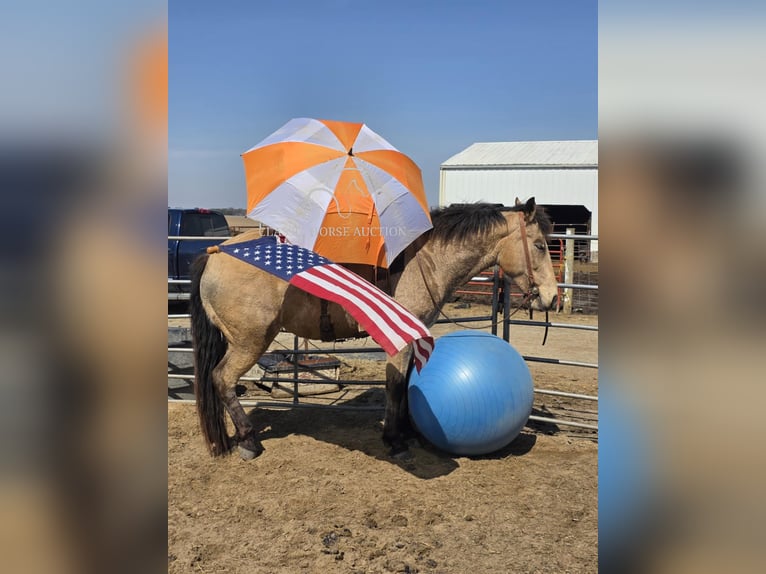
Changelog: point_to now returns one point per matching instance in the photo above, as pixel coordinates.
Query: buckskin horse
(238, 309)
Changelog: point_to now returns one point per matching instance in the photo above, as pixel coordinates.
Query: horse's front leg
(396, 425)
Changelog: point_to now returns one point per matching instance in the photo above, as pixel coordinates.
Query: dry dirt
(324, 497)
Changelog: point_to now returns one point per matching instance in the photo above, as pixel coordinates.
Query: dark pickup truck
(199, 223)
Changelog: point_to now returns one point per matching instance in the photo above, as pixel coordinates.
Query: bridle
(532, 289)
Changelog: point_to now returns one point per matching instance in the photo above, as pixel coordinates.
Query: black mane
(462, 221)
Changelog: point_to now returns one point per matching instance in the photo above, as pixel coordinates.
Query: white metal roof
(573, 153)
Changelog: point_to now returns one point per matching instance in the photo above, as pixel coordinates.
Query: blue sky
(430, 77)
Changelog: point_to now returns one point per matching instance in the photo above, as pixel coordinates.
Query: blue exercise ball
(473, 396)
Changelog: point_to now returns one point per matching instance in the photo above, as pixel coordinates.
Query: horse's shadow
(361, 430)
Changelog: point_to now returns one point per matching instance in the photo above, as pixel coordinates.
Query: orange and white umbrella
(337, 188)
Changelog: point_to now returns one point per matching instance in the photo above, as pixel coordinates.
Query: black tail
(209, 348)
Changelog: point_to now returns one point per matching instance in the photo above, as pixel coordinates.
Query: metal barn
(561, 175)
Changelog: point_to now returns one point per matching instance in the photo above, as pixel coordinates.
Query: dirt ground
(324, 497)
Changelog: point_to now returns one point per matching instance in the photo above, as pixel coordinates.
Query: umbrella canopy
(337, 188)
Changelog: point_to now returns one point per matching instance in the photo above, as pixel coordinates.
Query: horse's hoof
(248, 454)
(402, 454)
(414, 441)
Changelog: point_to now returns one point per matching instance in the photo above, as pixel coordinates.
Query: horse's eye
(540, 246)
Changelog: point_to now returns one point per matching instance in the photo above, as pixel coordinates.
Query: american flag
(387, 321)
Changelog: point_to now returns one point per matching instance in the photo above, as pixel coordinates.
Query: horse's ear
(530, 208)
(518, 201)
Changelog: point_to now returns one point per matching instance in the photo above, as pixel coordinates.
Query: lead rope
(436, 305)
(531, 293)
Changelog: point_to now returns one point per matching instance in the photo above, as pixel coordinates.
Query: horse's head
(528, 262)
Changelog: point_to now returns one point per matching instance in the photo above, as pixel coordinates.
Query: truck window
(204, 225)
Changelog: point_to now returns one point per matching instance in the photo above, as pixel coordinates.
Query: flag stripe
(390, 329)
(375, 332)
(425, 346)
(371, 321)
(403, 322)
(375, 297)
(367, 323)
(428, 344)
(419, 358)
(413, 325)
